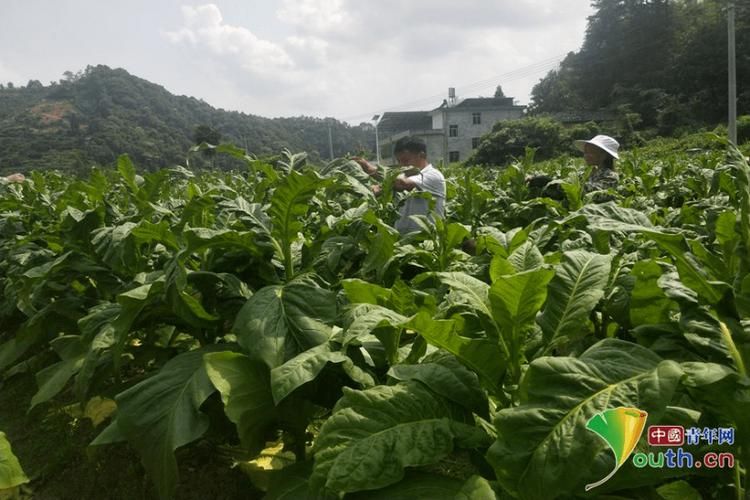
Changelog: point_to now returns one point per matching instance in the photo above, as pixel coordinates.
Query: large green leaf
(517, 298)
(98, 332)
(201, 238)
(611, 217)
(693, 273)
(678, 490)
(162, 413)
(289, 203)
(424, 486)
(526, 257)
(499, 243)
(245, 389)
(41, 326)
(447, 377)
(575, 290)
(466, 290)
(385, 324)
(725, 394)
(119, 249)
(281, 321)
(11, 473)
(183, 300)
(148, 232)
(306, 366)
(289, 483)
(52, 379)
(476, 487)
(543, 443)
(482, 356)
(648, 304)
(381, 248)
(374, 435)
(132, 303)
(400, 297)
(360, 291)
(127, 172)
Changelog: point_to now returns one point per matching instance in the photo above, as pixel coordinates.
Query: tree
(204, 133)
(510, 138)
(665, 60)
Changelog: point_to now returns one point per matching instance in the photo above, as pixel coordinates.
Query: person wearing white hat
(12, 178)
(601, 153)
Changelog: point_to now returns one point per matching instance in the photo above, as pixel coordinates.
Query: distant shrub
(743, 129)
(509, 140)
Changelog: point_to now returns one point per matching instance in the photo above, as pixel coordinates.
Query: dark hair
(609, 161)
(410, 144)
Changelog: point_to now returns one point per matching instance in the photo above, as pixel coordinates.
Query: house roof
(480, 103)
(483, 102)
(397, 121)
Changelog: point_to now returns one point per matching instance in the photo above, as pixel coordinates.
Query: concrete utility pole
(732, 124)
(376, 119)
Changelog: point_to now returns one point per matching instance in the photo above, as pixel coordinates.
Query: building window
(453, 156)
(475, 142)
(476, 118)
(453, 131)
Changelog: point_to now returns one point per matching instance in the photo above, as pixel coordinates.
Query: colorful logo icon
(620, 428)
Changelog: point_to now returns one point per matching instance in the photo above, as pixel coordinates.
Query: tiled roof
(398, 121)
(483, 102)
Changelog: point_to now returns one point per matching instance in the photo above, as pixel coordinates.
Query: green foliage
(373, 435)
(477, 348)
(661, 64)
(743, 129)
(542, 442)
(11, 474)
(509, 140)
(93, 117)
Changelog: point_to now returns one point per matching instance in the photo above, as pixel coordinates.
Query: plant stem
(738, 481)
(733, 351)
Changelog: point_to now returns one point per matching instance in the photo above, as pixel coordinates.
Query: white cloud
(204, 27)
(350, 58)
(308, 50)
(317, 16)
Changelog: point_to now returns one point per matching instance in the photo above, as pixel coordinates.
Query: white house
(452, 130)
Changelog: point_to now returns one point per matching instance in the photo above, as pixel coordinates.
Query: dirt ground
(52, 448)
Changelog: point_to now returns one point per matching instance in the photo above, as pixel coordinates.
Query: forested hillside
(95, 115)
(660, 64)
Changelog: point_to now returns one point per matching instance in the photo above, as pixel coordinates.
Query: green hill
(94, 116)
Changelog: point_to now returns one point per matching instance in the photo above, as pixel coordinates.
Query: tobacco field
(272, 315)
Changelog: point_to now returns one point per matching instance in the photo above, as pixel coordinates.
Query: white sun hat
(603, 142)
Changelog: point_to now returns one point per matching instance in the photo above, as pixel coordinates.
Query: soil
(52, 448)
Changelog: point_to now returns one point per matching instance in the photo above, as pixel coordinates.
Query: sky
(348, 59)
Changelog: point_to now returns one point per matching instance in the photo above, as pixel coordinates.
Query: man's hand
(376, 189)
(368, 167)
(402, 183)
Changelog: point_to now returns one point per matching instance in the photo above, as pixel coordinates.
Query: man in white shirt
(412, 152)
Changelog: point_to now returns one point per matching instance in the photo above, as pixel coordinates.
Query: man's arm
(368, 167)
(371, 170)
(403, 183)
